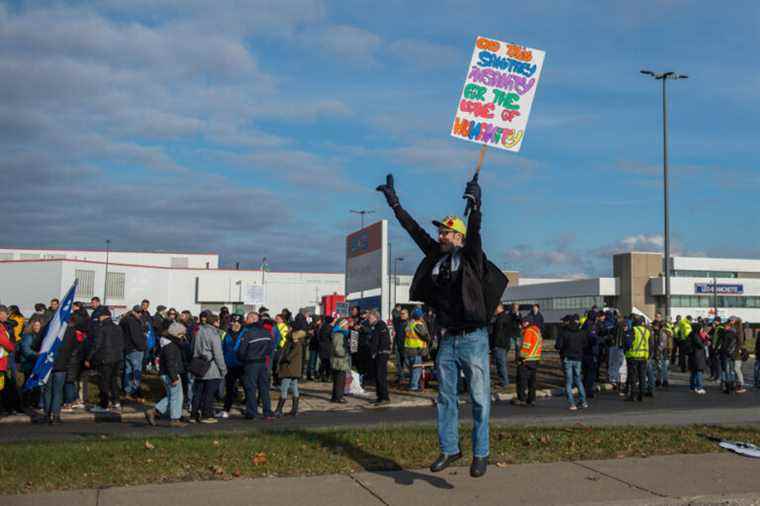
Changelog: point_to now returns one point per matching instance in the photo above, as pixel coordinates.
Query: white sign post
(498, 94)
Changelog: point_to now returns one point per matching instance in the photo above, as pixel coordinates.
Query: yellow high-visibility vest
(640, 348)
(412, 338)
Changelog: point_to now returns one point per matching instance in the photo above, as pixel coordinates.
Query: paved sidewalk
(722, 478)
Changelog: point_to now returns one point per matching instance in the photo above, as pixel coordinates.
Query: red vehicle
(330, 303)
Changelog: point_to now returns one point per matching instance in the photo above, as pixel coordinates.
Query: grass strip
(32, 467)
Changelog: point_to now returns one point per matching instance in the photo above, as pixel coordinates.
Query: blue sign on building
(721, 289)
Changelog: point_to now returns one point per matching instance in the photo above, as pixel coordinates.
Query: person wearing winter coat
(291, 365)
(106, 354)
(171, 368)
(325, 348)
(380, 352)
(501, 337)
(65, 357)
(7, 348)
(339, 360)
(699, 344)
(313, 345)
(208, 347)
(230, 345)
(135, 345)
(728, 352)
(254, 353)
(29, 350)
(571, 343)
(457, 280)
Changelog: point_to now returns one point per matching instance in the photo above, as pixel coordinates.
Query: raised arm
(473, 245)
(426, 243)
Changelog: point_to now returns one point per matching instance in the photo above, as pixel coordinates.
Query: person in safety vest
(463, 287)
(637, 355)
(528, 357)
(416, 338)
(684, 331)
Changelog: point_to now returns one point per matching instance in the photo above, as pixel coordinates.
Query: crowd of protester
(638, 353)
(205, 359)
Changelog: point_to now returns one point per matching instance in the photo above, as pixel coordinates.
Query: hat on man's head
(452, 222)
(137, 309)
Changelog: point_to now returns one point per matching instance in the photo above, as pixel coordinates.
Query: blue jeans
(467, 353)
(500, 359)
(730, 369)
(171, 404)
(651, 374)
(287, 384)
(663, 369)
(398, 358)
(53, 393)
(311, 369)
(573, 378)
(696, 382)
(256, 384)
(188, 384)
(132, 372)
(414, 372)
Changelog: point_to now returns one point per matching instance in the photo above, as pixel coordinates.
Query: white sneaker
(222, 414)
(117, 406)
(701, 391)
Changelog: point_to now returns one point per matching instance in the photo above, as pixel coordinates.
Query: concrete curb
(405, 403)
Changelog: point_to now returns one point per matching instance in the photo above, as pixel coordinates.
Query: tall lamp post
(361, 212)
(664, 76)
(105, 281)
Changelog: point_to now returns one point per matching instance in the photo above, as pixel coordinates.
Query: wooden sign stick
(480, 160)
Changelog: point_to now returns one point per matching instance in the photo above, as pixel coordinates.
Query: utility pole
(105, 281)
(664, 76)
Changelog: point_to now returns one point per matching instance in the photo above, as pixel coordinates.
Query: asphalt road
(677, 406)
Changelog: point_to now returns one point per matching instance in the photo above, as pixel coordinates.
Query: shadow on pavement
(372, 463)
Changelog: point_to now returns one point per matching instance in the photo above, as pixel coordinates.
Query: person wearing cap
(457, 281)
(135, 345)
(571, 344)
(106, 354)
(254, 353)
(528, 354)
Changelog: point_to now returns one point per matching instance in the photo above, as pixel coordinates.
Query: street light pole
(105, 281)
(395, 278)
(664, 76)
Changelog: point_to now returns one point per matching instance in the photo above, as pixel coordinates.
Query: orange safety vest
(532, 343)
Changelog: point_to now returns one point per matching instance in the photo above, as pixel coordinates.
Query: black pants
(588, 370)
(526, 381)
(231, 380)
(203, 398)
(325, 371)
(339, 383)
(637, 372)
(381, 376)
(107, 383)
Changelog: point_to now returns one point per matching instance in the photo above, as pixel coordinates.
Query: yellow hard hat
(454, 223)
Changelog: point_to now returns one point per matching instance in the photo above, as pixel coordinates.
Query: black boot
(278, 411)
(294, 411)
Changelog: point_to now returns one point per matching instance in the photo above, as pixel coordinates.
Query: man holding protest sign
(463, 287)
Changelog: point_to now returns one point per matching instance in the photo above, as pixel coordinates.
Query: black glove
(389, 191)
(472, 195)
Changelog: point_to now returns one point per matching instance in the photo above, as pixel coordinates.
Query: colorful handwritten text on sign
(498, 93)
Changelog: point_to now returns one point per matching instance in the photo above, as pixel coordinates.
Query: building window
(115, 285)
(180, 262)
(86, 286)
(6, 256)
(708, 301)
(30, 256)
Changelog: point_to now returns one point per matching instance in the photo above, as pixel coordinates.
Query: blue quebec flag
(53, 337)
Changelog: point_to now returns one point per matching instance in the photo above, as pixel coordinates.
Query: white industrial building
(179, 280)
(699, 286)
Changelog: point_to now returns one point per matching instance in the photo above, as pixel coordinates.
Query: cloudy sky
(250, 128)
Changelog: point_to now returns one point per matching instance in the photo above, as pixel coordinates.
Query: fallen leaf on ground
(149, 445)
(259, 459)
(216, 469)
(501, 464)
(236, 473)
(216, 443)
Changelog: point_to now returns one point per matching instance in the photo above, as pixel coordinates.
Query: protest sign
(498, 93)
(253, 295)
